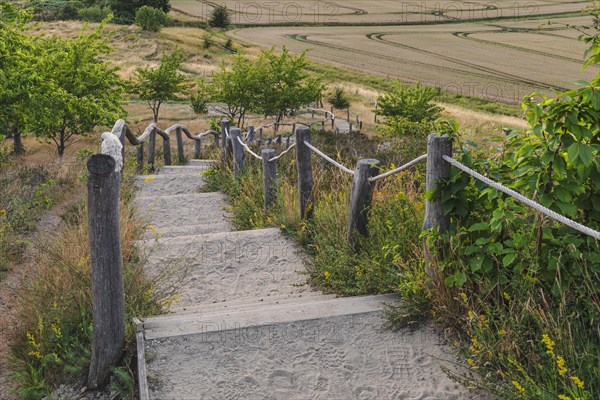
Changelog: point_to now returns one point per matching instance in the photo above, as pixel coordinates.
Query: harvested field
(364, 12)
(478, 59)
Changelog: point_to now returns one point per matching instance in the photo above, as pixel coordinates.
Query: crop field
(500, 59)
(363, 12)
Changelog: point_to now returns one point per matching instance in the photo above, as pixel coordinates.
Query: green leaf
(573, 152)
(480, 226)
(585, 154)
(508, 259)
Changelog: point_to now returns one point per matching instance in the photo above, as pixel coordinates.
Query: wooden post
(287, 142)
(437, 170)
(179, 137)
(361, 197)
(238, 151)
(167, 151)
(323, 126)
(348, 114)
(269, 176)
(108, 296)
(360, 126)
(278, 139)
(140, 157)
(198, 149)
(224, 128)
(293, 127)
(350, 127)
(151, 149)
(305, 176)
(250, 137)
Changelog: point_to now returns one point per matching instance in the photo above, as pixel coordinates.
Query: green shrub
(207, 40)
(94, 13)
(150, 19)
(199, 103)
(338, 99)
(219, 17)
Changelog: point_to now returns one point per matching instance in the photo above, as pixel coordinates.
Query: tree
(338, 99)
(150, 19)
(82, 91)
(236, 88)
(125, 10)
(19, 76)
(219, 17)
(164, 83)
(286, 83)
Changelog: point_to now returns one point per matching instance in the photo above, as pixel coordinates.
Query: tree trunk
(61, 143)
(18, 148)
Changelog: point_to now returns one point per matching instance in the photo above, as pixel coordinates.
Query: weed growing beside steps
(53, 343)
(387, 258)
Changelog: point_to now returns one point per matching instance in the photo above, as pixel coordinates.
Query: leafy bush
(219, 17)
(94, 13)
(199, 103)
(207, 40)
(409, 110)
(339, 99)
(528, 286)
(150, 19)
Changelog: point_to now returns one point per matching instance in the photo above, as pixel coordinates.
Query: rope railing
(399, 169)
(247, 148)
(527, 201)
(327, 158)
(283, 153)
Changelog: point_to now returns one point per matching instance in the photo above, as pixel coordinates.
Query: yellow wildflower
(327, 276)
(549, 344)
(471, 362)
(149, 179)
(506, 296)
(35, 354)
(502, 332)
(560, 363)
(3, 212)
(563, 397)
(463, 297)
(578, 382)
(518, 386)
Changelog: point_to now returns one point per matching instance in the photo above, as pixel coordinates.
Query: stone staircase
(246, 326)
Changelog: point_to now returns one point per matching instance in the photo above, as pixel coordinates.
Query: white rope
(227, 133)
(399, 169)
(536, 206)
(286, 150)
(326, 157)
(248, 148)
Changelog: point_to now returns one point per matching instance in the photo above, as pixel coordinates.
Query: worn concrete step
(286, 354)
(196, 169)
(155, 185)
(221, 266)
(258, 314)
(247, 303)
(203, 163)
(156, 232)
(182, 210)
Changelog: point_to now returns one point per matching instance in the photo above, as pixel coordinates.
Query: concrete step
(218, 225)
(332, 349)
(183, 210)
(259, 314)
(221, 266)
(247, 303)
(171, 184)
(196, 169)
(202, 163)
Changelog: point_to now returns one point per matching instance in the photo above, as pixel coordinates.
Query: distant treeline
(91, 10)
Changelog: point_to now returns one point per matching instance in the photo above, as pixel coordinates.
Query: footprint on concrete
(366, 393)
(282, 379)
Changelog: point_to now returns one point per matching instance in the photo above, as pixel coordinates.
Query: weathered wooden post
(197, 148)
(323, 126)
(305, 176)
(167, 150)
(151, 149)
(108, 296)
(224, 131)
(293, 127)
(179, 137)
(348, 114)
(140, 157)
(269, 176)
(238, 151)
(361, 197)
(350, 127)
(250, 137)
(437, 170)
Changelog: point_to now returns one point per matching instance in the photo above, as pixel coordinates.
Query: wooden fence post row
(305, 176)
(437, 170)
(108, 295)
(361, 197)
(269, 176)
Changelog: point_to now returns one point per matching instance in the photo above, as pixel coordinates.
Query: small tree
(219, 17)
(164, 83)
(150, 19)
(338, 99)
(286, 84)
(82, 91)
